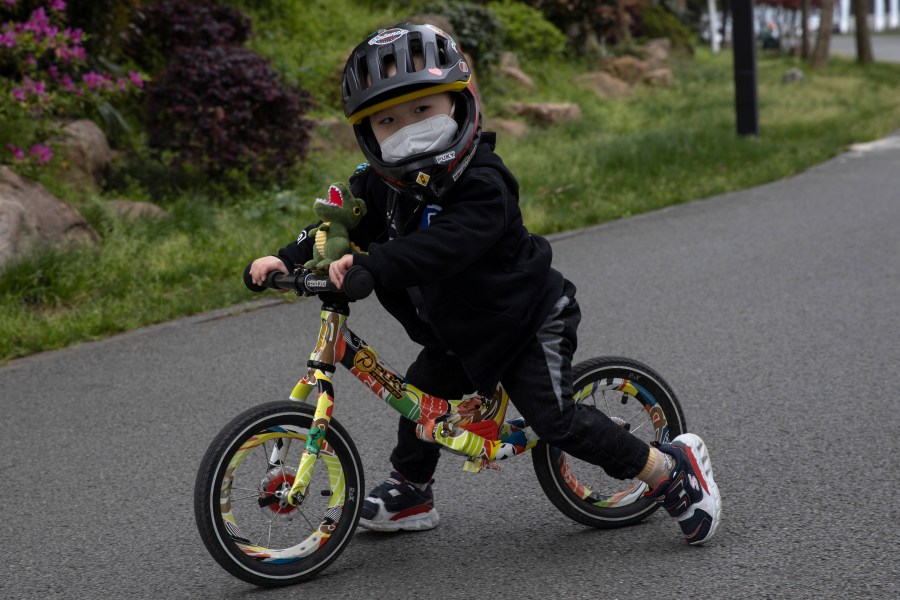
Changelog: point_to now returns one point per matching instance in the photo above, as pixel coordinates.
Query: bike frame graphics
(473, 426)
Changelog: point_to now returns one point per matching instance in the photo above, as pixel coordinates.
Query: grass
(654, 149)
(670, 146)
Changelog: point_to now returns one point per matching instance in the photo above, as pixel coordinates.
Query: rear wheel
(638, 399)
(240, 496)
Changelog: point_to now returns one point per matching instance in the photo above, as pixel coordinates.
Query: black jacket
(466, 275)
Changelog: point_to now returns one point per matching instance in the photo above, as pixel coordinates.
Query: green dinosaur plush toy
(340, 213)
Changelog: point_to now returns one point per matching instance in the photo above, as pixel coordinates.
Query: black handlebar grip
(358, 283)
(270, 280)
(249, 282)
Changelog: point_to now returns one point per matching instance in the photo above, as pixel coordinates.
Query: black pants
(539, 383)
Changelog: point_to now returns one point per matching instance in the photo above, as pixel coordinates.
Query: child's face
(388, 121)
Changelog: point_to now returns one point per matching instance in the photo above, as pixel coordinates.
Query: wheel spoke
(250, 497)
(265, 453)
(644, 422)
(609, 411)
(308, 522)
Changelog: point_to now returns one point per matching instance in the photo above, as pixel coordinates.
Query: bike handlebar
(358, 283)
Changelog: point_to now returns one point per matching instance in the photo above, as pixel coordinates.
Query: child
(453, 262)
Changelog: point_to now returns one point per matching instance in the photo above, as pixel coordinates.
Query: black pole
(744, 48)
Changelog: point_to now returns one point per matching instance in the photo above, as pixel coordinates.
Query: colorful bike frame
(473, 426)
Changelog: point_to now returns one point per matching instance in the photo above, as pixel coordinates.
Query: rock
(137, 210)
(31, 217)
(629, 69)
(87, 153)
(604, 84)
(547, 113)
(509, 127)
(657, 52)
(518, 76)
(793, 75)
(659, 78)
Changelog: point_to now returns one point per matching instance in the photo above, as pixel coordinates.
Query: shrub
(655, 21)
(477, 29)
(526, 32)
(162, 28)
(223, 108)
(46, 79)
(582, 20)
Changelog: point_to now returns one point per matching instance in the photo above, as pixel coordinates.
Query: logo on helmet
(463, 66)
(423, 179)
(387, 36)
(445, 157)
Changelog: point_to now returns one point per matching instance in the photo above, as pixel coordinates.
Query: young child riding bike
(444, 240)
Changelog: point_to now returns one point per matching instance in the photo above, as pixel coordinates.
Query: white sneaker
(689, 493)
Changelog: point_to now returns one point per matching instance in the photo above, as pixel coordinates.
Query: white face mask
(431, 134)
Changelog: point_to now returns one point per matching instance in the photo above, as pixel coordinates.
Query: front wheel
(240, 501)
(638, 399)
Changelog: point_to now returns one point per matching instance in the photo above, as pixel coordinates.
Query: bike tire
(235, 490)
(634, 395)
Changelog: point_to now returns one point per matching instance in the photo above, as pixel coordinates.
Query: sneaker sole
(420, 522)
(703, 462)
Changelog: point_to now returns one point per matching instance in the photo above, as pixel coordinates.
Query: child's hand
(338, 269)
(261, 267)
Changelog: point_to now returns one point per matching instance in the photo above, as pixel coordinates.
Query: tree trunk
(804, 36)
(819, 58)
(726, 13)
(863, 39)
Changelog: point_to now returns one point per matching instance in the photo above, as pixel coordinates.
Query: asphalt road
(773, 312)
(885, 47)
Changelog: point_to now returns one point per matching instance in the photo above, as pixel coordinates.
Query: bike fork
(315, 438)
(322, 362)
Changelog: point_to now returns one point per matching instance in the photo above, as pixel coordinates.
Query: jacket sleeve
(299, 251)
(466, 226)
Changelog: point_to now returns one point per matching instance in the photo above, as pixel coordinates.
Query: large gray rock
(87, 153)
(31, 217)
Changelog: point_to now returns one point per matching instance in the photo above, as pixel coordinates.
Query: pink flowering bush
(46, 79)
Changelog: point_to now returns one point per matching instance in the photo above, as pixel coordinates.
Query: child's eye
(423, 108)
(386, 121)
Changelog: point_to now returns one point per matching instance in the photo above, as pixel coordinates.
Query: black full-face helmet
(382, 72)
